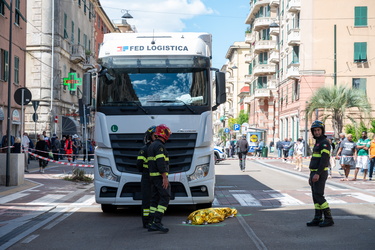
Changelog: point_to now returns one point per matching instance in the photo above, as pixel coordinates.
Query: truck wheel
(108, 208)
(216, 159)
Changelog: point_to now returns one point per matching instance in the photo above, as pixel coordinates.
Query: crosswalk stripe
(364, 197)
(247, 200)
(286, 199)
(12, 197)
(46, 200)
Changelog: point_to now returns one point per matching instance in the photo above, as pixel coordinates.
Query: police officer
(142, 166)
(318, 175)
(158, 163)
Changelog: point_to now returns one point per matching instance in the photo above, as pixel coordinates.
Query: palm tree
(336, 101)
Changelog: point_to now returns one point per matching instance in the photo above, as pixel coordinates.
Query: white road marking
(12, 197)
(47, 200)
(364, 197)
(286, 199)
(247, 200)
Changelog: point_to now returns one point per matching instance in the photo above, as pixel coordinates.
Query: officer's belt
(157, 174)
(315, 169)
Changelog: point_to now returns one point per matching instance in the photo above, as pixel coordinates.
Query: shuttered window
(360, 52)
(360, 16)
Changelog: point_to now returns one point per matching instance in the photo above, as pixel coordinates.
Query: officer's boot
(328, 221)
(317, 218)
(145, 221)
(151, 217)
(156, 225)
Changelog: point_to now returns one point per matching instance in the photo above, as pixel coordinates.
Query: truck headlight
(200, 172)
(106, 173)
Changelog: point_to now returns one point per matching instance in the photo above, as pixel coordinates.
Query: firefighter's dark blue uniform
(142, 166)
(158, 163)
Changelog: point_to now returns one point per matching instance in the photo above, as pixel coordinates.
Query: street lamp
(126, 15)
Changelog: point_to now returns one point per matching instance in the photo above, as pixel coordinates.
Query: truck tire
(108, 208)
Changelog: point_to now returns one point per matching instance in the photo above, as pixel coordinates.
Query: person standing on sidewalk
(242, 149)
(42, 150)
(347, 154)
(372, 157)
(363, 145)
(318, 176)
(158, 164)
(142, 165)
(298, 152)
(25, 149)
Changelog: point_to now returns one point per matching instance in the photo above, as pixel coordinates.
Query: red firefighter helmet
(163, 131)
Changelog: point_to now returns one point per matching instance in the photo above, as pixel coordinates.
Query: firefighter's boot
(151, 217)
(157, 225)
(328, 221)
(317, 219)
(145, 221)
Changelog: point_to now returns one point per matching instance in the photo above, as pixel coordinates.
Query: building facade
(63, 38)
(299, 46)
(12, 63)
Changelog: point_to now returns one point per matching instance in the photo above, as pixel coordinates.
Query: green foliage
(357, 129)
(78, 175)
(243, 117)
(372, 129)
(336, 101)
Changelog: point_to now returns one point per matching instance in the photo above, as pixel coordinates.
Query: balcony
(229, 95)
(294, 6)
(274, 31)
(254, 8)
(272, 83)
(264, 69)
(274, 3)
(262, 93)
(294, 37)
(89, 62)
(249, 79)
(274, 56)
(250, 38)
(292, 71)
(249, 58)
(264, 45)
(262, 23)
(77, 53)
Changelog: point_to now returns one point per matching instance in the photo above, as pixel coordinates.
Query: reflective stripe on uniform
(325, 151)
(316, 155)
(145, 165)
(324, 205)
(146, 212)
(152, 210)
(317, 206)
(156, 174)
(141, 157)
(161, 209)
(157, 157)
(315, 169)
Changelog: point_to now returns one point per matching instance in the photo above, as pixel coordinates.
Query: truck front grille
(180, 147)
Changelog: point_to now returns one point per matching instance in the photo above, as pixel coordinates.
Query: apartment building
(299, 46)
(12, 63)
(63, 38)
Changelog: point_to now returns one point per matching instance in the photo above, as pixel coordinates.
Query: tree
(336, 101)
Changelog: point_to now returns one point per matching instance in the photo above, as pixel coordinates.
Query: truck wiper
(138, 105)
(174, 101)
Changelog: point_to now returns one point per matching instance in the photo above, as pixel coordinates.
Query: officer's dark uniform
(142, 166)
(158, 163)
(319, 165)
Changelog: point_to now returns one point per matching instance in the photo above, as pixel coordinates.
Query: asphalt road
(273, 203)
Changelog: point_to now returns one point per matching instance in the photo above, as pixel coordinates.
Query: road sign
(236, 127)
(56, 119)
(35, 105)
(226, 130)
(35, 117)
(26, 96)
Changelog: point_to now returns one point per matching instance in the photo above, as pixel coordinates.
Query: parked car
(219, 154)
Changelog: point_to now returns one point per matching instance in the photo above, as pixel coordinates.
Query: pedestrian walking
(25, 148)
(318, 176)
(242, 149)
(279, 147)
(77, 146)
(42, 150)
(299, 148)
(291, 150)
(227, 148)
(158, 163)
(286, 146)
(55, 145)
(17, 146)
(142, 165)
(363, 145)
(347, 154)
(69, 148)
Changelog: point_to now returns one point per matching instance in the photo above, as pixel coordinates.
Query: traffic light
(87, 89)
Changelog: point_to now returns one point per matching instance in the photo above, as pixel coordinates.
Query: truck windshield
(153, 86)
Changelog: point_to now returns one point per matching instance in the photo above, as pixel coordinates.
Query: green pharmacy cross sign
(72, 81)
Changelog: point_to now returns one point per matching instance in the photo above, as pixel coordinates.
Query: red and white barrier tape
(61, 162)
(47, 152)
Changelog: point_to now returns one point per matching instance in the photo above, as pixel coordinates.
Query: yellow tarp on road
(211, 215)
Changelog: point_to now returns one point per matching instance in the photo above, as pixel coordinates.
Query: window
(359, 83)
(295, 54)
(360, 16)
(262, 82)
(65, 24)
(16, 70)
(296, 90)
(264, 34)
(85, 41)
(250, 68)
(3, 4)
(79, 36)
(17, 12)
(84, 6)
(263, 58)
(360, 52)
(72, 35)
(4, 67)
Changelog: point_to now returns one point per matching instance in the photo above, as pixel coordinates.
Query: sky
(224, 19)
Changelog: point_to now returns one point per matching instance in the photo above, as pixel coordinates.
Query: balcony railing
(254, 8)
(250, 37)
(292, 71)
(294, 37)
(262, 93)
(274, 56)
(262, 22)
(249, 57)
(264, 69)
(263, 45)
(294, 5)
(249, 79)
(77, 53)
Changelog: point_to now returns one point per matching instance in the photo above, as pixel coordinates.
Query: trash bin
(265, 152)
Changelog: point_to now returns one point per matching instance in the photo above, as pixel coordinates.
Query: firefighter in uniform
(318, 175)
(158, 163)
(142, 166)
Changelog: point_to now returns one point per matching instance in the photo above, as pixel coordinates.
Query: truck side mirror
(221, 96)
